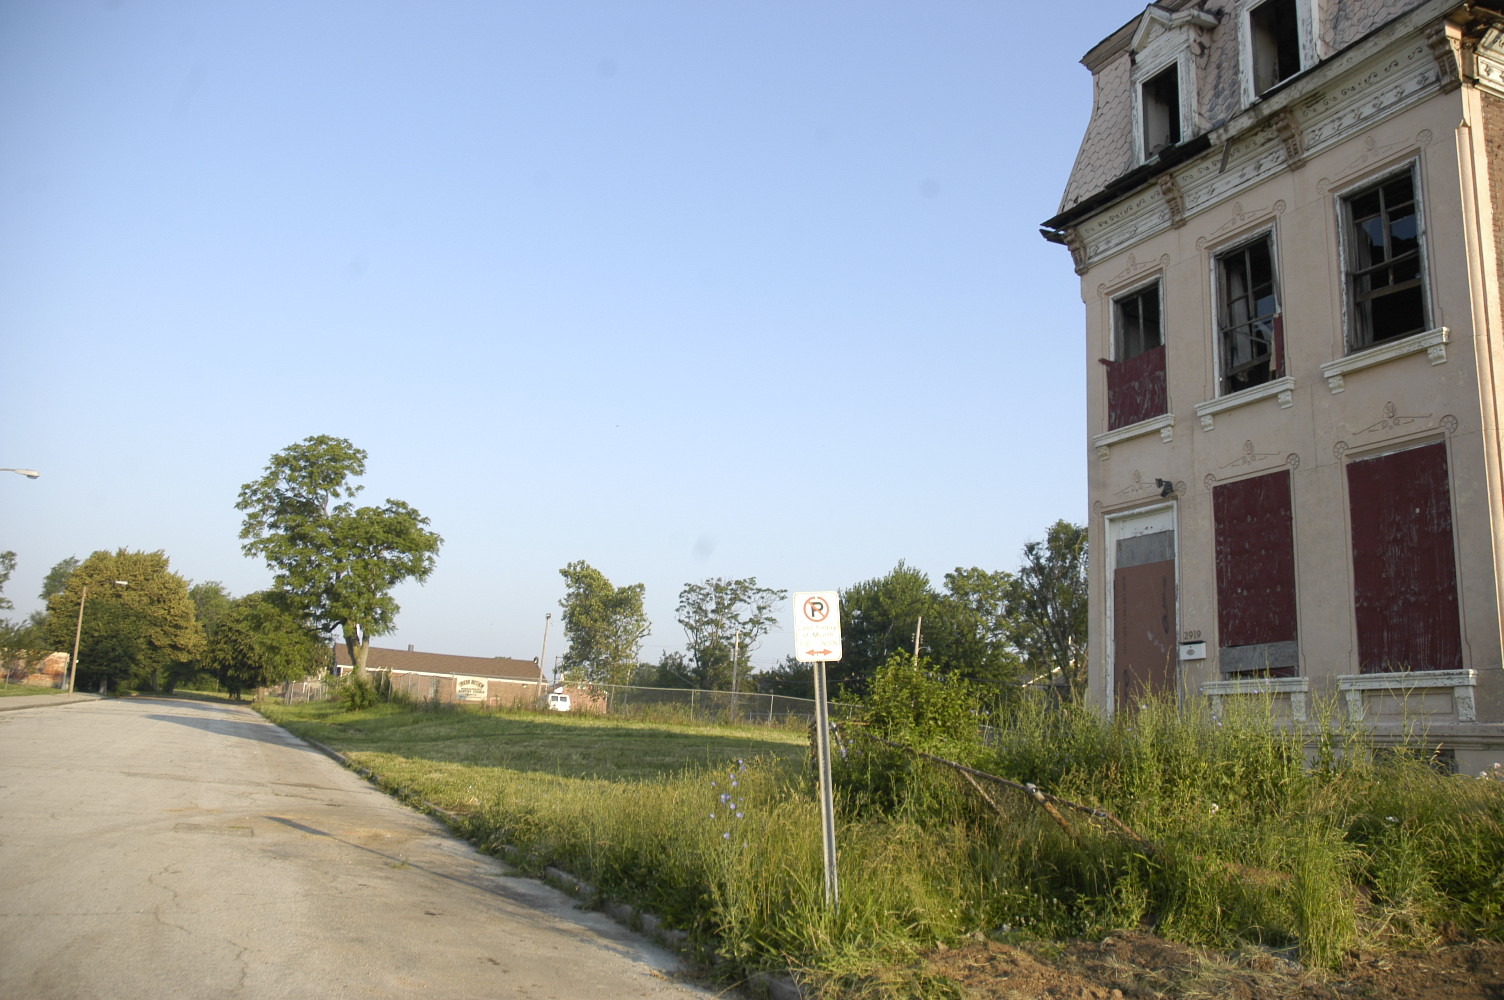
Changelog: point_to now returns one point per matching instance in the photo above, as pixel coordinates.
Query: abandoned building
(1288, 220)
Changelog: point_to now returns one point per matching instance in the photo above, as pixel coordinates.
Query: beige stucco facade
(1385, 91)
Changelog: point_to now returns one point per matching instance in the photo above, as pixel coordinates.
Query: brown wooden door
(1143, 621)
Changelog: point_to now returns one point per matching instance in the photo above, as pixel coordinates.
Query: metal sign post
(817, 638)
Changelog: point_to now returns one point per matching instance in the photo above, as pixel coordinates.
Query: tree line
(139, 625)
(1004, 630)
(335, 564)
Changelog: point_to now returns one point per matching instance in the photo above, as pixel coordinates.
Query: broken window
(1159, 100)
(1136, 374)
(1248, 322)
(1255, 549)
(1385, 270)
(1274, 30)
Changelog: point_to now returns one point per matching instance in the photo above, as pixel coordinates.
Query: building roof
(442, 663)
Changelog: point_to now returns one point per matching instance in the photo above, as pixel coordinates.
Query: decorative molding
(1208, 481)
(1391, 420)
(1282, 388)
(1449, 424)
(1486, 61)
(1164, 423)
(1433, 342)
(1462, 683)
(1288, 130)
(1296, 689)
(1136, 487)
(1339, 449)
(1132, 270)
(1293, 461)
(1169, 189)
(1074, 244)
(1446, 51)
(1250, 456)
(1319, 111)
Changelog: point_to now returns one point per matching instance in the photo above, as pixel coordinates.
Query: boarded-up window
(1404, 565)
(1136, 373)
(1256, 576)
(1136, 389)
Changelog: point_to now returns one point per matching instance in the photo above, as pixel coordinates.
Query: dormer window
(1274, 31)
(1279, 40)
(1165, 50)
(1159, 101)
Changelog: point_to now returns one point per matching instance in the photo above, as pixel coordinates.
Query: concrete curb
(46, 700)
(775, 986)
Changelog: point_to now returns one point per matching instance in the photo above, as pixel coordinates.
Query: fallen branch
(1049, 802)
(1046, 801)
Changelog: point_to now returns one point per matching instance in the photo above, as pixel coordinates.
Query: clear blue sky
(682, 289)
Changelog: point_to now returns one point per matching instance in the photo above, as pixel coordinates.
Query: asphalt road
(161, 848)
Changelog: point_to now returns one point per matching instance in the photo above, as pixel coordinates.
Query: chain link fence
(679, 704)
(711, 706)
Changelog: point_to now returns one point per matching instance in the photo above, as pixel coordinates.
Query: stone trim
(1462, 683)
(1433, 342)
(1296, 688)
(1164, 423)
(1283, 388)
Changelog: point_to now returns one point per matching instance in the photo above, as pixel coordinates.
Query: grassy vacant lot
(1311, 846)
(23, 690)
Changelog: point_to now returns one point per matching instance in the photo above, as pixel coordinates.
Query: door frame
(1128, 524)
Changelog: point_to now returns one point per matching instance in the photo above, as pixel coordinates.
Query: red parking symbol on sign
(816, 610)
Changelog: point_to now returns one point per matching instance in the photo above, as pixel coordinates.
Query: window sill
(1283, 388)
(1433, 342)
(1294, 688)
(1461, 682)
(1164, 423)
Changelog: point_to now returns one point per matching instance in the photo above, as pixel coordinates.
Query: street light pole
(79, 628)
(77, 631)
(543, 655)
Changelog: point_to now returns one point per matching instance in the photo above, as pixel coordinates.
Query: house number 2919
(1194, 635)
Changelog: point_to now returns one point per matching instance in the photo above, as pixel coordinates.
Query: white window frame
(1342, 200)
(1115, 341)
(1216, 254)
(1155, 61)
(1307, 19)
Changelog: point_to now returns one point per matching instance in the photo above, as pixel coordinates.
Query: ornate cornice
(1358, 93)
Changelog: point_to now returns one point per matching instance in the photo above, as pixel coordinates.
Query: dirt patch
(1139, 966)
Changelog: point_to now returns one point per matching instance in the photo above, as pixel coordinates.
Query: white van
(558, 701)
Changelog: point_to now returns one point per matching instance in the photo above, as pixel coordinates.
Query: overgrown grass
(22, 690)
(1244, 840)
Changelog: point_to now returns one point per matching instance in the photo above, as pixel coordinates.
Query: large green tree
(969, 631)
(604, 625)
(57, 577)
(1047, 607)
(258, 641)
(879, 617)
(724, 620)
(7, 567)
(336, 562)
(138, 622)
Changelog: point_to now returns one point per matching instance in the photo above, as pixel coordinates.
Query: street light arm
(28, 473)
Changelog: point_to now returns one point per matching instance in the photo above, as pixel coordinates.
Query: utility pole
(543, 655)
